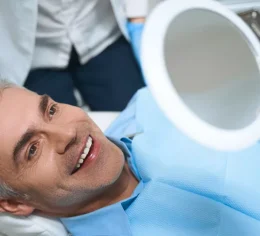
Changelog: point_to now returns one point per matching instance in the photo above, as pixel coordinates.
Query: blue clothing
(186, 189)
(135, 31)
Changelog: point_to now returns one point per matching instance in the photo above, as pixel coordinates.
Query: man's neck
(120, 190)
(124, 186)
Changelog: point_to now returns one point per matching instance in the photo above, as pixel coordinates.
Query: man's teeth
(85, 152)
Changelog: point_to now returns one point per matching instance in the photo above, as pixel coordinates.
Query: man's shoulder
(126, 124)
(141, 114)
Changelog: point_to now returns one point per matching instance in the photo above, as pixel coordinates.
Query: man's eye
(52, 110)
(32, 151)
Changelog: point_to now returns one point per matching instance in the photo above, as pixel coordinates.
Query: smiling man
(56, 158)
(147, 178)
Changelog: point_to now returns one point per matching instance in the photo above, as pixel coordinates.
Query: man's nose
(61, 136)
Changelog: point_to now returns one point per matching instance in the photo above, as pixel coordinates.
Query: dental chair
(44, 226)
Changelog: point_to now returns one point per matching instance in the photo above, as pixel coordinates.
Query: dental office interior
(188, 53)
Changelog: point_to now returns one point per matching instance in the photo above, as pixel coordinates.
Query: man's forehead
(16, 104)
(16, 99)
(18, 109)
(16, 94)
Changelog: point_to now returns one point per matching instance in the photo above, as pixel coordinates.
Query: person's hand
(135, 28)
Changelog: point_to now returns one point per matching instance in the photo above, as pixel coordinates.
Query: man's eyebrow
(42, 107)
(43, 104)
(22, 142)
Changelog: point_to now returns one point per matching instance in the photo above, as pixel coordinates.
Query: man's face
(42, 146)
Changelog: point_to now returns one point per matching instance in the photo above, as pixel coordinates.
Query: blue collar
(110, 220)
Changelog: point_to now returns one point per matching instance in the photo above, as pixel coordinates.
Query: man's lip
(91, 157)
(80, 153)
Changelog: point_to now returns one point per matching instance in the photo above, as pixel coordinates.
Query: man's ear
(15, 207)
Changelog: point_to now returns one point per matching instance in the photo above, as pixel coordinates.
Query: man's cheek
(45, 177)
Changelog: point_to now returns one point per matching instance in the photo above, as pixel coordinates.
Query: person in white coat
(53, 46)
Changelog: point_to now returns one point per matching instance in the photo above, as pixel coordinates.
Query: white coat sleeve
(18, 21)
(136, 8)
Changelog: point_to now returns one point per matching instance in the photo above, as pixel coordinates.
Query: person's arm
(136, 11)
(137, 20)
(135, 30)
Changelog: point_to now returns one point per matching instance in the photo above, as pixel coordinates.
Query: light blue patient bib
(190, 189)
(185, 189)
